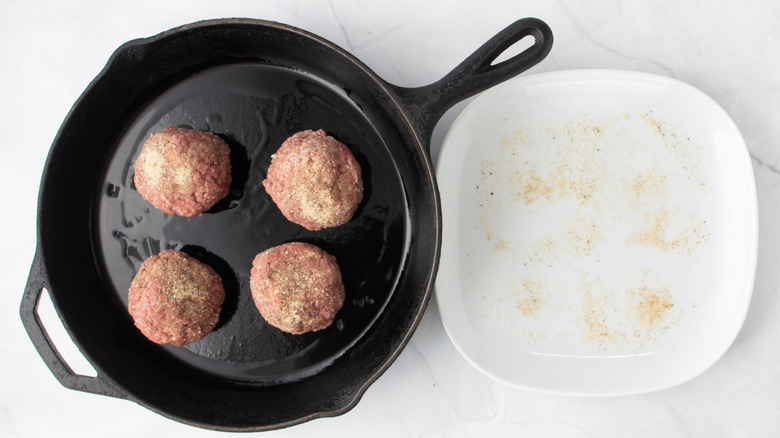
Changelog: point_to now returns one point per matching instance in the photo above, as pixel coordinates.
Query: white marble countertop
(51, 50)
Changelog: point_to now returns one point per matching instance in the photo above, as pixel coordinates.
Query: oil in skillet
(254, 107)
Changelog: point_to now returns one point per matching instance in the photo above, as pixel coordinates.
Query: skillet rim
(401, 122)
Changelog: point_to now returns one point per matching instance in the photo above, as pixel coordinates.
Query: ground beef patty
(175, 299)
(314, 180)
(183, 171)
(297, 287)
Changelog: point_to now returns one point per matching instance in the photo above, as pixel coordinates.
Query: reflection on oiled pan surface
(254, 107)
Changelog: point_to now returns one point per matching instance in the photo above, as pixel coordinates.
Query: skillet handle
(37, 281)
(477, 73)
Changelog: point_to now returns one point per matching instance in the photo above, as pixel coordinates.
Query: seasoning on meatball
(314, 180)
(175, 299)
(183, 171)
(297, 287)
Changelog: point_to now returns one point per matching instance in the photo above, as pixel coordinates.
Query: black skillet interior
(254, 107)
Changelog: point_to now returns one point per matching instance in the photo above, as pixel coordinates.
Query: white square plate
(599, 232)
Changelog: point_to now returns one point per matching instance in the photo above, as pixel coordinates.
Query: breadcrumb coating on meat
(297, 287)
(175, 299)
(315, 180)
(183, 171)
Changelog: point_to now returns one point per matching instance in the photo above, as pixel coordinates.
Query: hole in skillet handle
(60, 338)
(518, 47)
(515, 49)
(491, 64)
(85, 377)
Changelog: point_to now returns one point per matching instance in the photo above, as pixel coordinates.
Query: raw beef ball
(175, 299)
(297, 287)
(314, 180)
(183, 171)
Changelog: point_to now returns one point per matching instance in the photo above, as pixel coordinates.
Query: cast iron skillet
(254, 83)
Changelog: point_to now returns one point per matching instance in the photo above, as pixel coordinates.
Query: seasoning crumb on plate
(573, 196)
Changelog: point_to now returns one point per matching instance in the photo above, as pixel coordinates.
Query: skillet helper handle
(36, 282)
(477, 73)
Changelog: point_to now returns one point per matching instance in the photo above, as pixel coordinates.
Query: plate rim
(598, 75)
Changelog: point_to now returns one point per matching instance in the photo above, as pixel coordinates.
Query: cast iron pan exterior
(254, 83)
